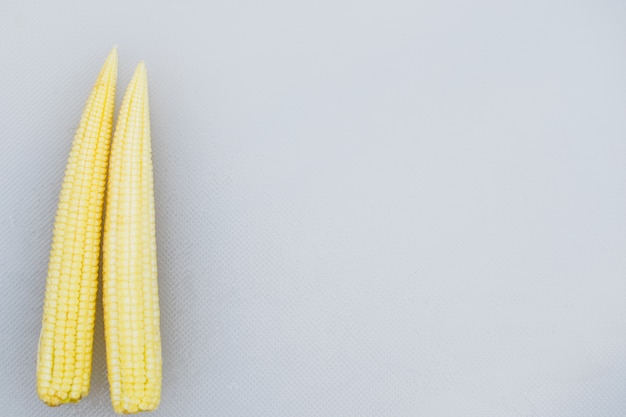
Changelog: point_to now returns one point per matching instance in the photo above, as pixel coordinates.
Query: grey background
(372, 208)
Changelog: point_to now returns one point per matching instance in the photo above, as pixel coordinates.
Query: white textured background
(364, 208)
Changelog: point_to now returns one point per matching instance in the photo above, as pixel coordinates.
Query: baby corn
(66, 340)
(130, 293)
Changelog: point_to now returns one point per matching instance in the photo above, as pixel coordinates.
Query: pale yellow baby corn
(130, 293)
(66, 340)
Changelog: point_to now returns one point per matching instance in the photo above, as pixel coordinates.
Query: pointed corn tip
(112, 57)
(140, 75)
(141, 68)
(110, 64)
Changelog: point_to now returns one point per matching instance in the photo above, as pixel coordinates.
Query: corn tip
(112, 57)
(140, 71)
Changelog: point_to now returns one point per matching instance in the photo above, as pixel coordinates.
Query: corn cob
(66, 340)
(130, 293)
